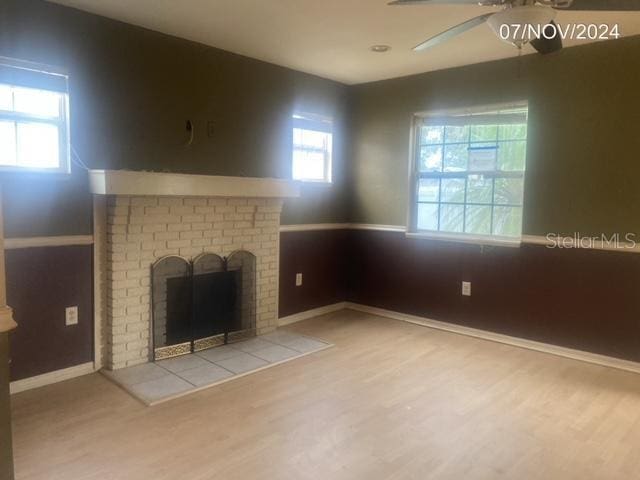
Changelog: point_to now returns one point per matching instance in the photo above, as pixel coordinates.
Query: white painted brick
(246, 209)
(156, 210)
(178, 244)
(192, 218)
(170, 201)
(144, 201)
(142, 229)
(179, 227)
(166, 236)
(195, 201)
(155, 227)
(202, 226)
(182, 210)
(190, 235)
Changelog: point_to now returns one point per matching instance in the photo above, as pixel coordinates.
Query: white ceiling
(331, 38)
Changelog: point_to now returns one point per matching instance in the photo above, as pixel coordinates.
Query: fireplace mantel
(127, 182)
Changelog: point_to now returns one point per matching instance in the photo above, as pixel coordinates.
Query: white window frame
(412, 231)
(316, 123)
(61, 122)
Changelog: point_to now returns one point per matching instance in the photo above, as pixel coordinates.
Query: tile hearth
(153, 383)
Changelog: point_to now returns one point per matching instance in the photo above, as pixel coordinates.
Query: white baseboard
(51, 377)
(315, 312)
(580, 355)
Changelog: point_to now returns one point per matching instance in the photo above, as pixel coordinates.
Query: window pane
(5, 98)
(456, 134)
(478, 220)
(36, 102)
(431, 134)
(452, 190)
(512, 132)
(308, 165)
(467, 188)
(484, 133)
(297, 136)
(482, 158)
(451, 217)
(455, 157)
(428, 190)
(38, 145)
(7, 143)
(431, 159)
(511, 156)
(427, 216)
(479, 189)
(507, 221)
(509, 191)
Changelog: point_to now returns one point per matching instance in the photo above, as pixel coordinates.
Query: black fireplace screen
(200, 304)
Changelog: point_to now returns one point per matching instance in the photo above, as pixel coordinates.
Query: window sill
(471, 239)
(314, 183)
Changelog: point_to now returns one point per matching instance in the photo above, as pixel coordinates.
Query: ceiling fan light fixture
(519, 25)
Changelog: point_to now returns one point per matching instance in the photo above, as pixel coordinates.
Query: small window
(33, 118)
(312, 148)
(468, 173)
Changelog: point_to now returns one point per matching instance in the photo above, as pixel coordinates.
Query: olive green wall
(131, 92)
(6, 459)
(583, 144)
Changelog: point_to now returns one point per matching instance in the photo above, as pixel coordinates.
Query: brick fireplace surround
(137, 230)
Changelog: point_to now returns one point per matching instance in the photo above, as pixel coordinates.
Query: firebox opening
(202, 303)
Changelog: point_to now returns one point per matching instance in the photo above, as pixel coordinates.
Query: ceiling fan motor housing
(519, 25)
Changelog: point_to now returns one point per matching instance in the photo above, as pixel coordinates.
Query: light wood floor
(390, 401)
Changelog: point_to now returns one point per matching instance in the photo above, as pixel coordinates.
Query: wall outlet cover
(466, 289)
(71, 316)
(298, 279)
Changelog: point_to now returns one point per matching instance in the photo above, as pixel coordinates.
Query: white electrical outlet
(71, 316)
(466, 289)
(298, 279)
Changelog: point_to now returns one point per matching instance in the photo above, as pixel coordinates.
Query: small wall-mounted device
(298, 279)
(71, 315)
(466, 289)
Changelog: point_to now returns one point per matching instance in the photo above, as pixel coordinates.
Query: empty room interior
(304, 240)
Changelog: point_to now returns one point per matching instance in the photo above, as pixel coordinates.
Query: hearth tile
(304, 344)
(275, 353)
(219, 353)
(252, 345)
(280, 336)
(242, 363)
(138, 374)
(160, 388)
(205, 375)
(185, 362)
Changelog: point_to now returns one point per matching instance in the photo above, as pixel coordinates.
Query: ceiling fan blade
(603, 5)
(452, 32)
(546, 45)
(450, 2)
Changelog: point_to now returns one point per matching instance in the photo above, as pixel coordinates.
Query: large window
(33, 118)
(312, 148)
(469, 173)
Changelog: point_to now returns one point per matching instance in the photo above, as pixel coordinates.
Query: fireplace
(202, 303)
(213, 243)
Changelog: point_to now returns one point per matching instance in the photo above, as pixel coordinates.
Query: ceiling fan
(536, 13)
